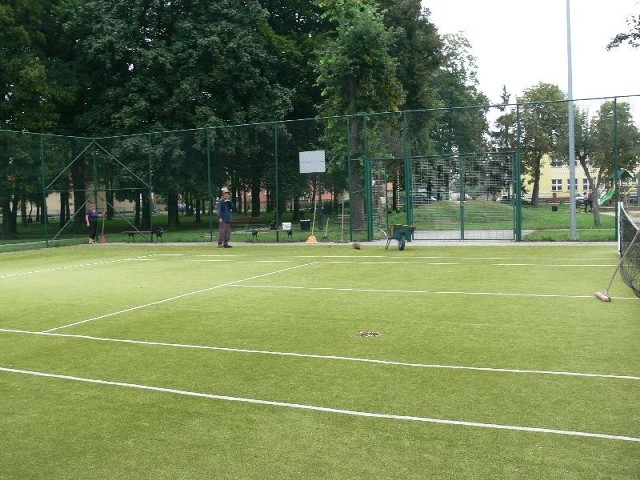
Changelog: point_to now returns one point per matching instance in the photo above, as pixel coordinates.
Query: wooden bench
(157, 231)
(249, 225)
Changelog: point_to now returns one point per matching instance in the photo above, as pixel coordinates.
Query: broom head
(102, 239)
(603, 297)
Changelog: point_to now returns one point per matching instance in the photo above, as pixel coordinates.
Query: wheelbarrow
(401, 233)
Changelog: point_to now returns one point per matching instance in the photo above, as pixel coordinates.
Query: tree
(28, 89)
(612, 136)
(299, 28)
(154, 65)
(543, 121)
(504, 142)
(417, 49)
(357, 74)
(460, 129)
(461, 125)
(632, 37)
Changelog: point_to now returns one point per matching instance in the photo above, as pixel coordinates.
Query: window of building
(575, 182)
(555, 162)
(556, 184)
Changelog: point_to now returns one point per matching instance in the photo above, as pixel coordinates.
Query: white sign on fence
(312, 161)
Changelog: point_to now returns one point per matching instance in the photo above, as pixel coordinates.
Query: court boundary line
(426, 292)
(334, 259)
(328, 357)
(79, 265)
(316, 408)
(175, 297)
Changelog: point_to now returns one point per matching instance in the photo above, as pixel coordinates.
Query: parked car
(506, 199)
(456, 196)
(420, 195)
(632, 196)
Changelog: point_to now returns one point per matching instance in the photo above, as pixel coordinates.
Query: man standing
(224, 209)
(588, 201)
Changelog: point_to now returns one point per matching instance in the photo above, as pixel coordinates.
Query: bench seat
(157, 231)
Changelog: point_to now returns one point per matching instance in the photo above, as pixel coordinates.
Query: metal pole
(616, 163)
(276, 173)
(572, 148)
(210, 199)
(45, 212)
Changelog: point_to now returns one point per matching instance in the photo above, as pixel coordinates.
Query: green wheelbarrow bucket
(401, 233)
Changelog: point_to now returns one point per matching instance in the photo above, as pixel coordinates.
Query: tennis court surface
(318, 361)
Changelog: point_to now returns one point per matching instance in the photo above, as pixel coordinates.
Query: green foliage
(357, 74)
(417, 47)
(356, 69)
(632, 36)
(24, 88)
(543, 128)
(459, 130)
(163, 65)
(613, 136)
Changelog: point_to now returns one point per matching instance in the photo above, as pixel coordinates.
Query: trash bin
(305, 225)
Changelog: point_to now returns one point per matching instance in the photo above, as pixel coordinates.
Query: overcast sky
(520, 43)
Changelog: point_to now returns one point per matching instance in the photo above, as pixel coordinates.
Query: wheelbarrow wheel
(401, 242)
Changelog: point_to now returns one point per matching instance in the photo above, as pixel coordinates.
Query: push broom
(102, 239)
(604, 296)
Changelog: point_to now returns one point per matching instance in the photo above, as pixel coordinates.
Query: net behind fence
(630, 250)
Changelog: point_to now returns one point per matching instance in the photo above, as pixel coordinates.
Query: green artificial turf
(317, 361)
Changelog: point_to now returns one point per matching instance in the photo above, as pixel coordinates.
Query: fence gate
(456, 197)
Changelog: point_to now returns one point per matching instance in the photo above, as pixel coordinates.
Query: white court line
(441, 257)
(466, 264)
(355, 413)
(328, 357)
(70, 267)
(426, 292)
(177, 297)
(237, 261)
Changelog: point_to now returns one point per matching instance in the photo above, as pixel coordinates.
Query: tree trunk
(8, 218)
(64, 199)
(110, 196)
(255, 198)
(172, 211)
(198, 210)
(356, 197)
(79, 196)
(536, 182)
(146, 211)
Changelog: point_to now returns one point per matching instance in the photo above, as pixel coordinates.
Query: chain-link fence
(490, 172)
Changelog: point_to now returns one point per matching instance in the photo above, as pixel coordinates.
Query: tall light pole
(572, 146)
